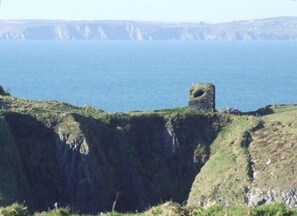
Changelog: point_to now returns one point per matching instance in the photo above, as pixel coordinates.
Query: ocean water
(121, 76)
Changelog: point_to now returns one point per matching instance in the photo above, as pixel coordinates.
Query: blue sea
(119, 76)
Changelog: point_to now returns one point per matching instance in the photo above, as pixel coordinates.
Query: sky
(212, 11)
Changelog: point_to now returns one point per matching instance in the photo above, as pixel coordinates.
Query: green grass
(37, 107)
(57, 212)
(270, 210)
(229, 169)
(224, 175)
(20, 210)
(272, 149)
(166, 209)
(284, 108)
(169, 209)
(14, 210)
(163, 112)
(54, 109)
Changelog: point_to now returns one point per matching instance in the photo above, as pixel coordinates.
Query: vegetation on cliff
(84, 158)
(166, 209)
(253, 162)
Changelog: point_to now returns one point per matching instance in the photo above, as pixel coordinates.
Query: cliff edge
(87, 159)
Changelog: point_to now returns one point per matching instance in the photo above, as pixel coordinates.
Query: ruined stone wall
(202, 98)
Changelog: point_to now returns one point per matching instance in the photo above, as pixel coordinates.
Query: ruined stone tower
(202, 98)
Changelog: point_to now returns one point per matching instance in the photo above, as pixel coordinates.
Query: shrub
(14, 210)
(279, 209)
(56, 212)
(213, 210)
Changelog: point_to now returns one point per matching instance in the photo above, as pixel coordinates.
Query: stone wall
(202, 98)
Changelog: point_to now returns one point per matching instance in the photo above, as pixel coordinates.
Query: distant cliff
(280, 28)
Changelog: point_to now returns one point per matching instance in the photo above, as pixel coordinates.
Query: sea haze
(148, 75)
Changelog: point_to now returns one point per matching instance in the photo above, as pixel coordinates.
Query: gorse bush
(57, 212)
(278, 209)
(14, 210)
(20, 210)
(167, 209)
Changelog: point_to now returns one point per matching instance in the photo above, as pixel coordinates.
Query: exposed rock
(259, 197)
(262, 111)
(2, 92)
(230, 110)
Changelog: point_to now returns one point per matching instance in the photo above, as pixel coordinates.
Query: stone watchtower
(202, 98)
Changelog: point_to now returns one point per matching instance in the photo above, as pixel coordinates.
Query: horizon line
(143, 21)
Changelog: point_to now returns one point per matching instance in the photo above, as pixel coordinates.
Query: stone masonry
(202, 98)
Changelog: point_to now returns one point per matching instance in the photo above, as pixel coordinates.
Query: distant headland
(278, 28)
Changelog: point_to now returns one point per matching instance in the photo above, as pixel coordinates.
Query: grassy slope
(35, 107)
(268, 161)
(224, 175)
(166, 209)
(273, 150)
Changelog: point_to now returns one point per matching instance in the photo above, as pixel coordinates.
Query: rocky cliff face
(90, 160)
(87, 163)
(280, 28)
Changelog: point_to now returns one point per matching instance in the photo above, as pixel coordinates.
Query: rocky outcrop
(261, 196)
(2, 92)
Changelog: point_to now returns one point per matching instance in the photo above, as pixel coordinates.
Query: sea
(122, 76)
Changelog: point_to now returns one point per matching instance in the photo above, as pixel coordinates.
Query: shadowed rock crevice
(84, 163)
(42, 179)
(246, 140)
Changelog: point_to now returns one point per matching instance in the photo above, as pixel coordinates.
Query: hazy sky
(147, 10)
